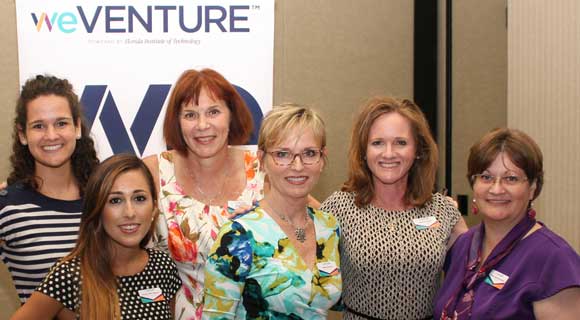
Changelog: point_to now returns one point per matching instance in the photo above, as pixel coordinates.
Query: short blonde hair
(282, 119)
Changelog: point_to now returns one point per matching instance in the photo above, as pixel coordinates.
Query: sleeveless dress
(187, 228)
(391, 266)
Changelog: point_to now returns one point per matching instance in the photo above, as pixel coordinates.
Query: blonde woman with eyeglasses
(280, 259)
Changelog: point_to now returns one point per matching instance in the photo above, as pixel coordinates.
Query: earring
(531, 211)
(79, 136)
(24, 143)
(474, 208)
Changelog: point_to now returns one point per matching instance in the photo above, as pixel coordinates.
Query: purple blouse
(540, 266)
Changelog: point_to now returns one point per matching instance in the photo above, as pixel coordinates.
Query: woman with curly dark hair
(52, 158)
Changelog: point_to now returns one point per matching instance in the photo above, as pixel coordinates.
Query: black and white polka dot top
(145, 295)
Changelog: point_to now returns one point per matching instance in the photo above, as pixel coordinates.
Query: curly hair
(84, 158)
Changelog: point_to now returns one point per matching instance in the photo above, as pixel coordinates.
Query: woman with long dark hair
(110, 274)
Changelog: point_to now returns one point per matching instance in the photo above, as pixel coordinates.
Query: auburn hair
(99, 286)
(187, 89)
(421, 179)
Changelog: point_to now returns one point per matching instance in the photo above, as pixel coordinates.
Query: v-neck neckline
(312, 268)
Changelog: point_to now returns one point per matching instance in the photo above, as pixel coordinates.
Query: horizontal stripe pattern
(35, 231)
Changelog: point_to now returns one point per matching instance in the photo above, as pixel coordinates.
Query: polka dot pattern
(390, 269)
(64, 285)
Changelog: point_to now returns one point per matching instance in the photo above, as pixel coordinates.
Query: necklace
(218, 195)
(299, 232)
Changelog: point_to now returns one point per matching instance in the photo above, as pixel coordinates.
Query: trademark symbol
(255, 7)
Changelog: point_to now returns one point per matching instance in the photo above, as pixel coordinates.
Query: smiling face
(500, 202)
(128, 212)
(391, 150)
(298, 179)
(50, 131)
(205, 126)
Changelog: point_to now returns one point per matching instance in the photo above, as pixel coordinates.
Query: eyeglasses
(285, 157)
(488, 179)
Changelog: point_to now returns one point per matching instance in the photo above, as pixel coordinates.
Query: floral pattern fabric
(254, 271)
(187, 229)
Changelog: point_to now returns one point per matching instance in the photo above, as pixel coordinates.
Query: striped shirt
(35, 231)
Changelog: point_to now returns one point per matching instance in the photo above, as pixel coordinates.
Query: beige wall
(479, 80)
(543, 100)
(8, 95)
(333, 55)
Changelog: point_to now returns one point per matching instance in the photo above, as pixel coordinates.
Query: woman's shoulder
(65, 268)
(553, 243)
(338, 198)
(14, 193)
(440, 205)
(325, 217)
(159, 256)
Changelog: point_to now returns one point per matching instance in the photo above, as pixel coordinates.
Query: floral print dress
(254, 271)
(187, 229)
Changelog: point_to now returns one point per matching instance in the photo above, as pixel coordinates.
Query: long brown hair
(99, 288)
(84, 158)
(187, 88)
(422, 173)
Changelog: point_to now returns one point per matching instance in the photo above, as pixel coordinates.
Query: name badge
(327, 269)
(496, 279)
(426, 223)
(151, 295)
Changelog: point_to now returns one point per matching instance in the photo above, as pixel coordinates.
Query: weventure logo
(99, 100)
(164, 18)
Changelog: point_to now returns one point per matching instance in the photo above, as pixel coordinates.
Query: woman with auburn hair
(395, 231)
(510, 266)
(203, 179)
(52, 158)
(110, 274)
(279, 260)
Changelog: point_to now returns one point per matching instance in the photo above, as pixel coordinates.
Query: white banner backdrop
(123, 56)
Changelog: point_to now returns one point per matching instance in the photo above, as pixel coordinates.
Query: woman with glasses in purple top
(510, 266)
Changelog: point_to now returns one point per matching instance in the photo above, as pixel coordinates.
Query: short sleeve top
(391, 265)
(541, 265)
(145, 295)
(35, 232)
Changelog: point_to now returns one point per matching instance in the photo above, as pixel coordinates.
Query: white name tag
(327, 268)
(426, 222)
(151, 295)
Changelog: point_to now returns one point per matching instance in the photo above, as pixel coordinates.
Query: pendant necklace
(299, 232)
